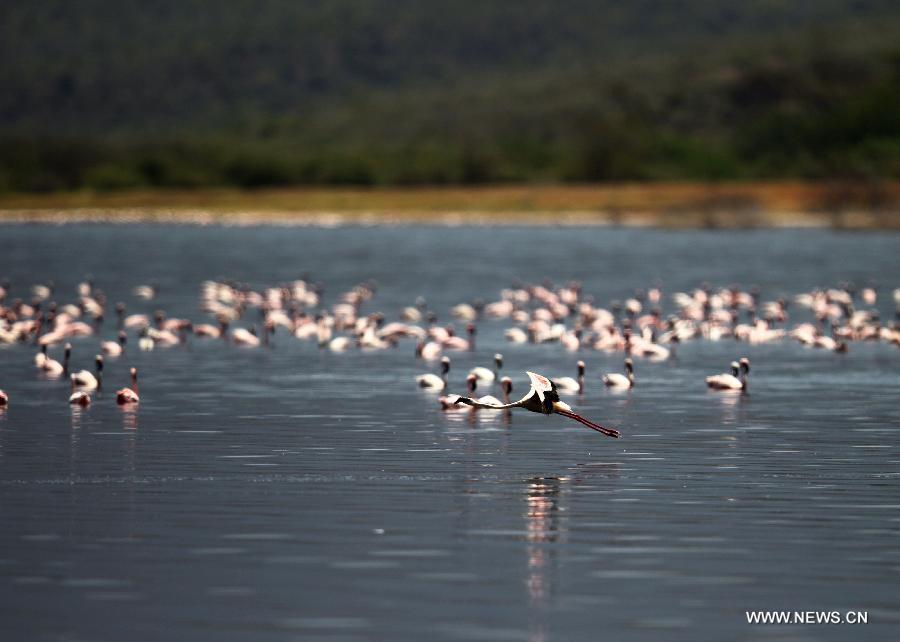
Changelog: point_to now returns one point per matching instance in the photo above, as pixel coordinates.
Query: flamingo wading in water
(484, 374)
(617, 380)
(79, 397)
(731, 381)
(129, 395)
(434, 381)
(568, 384)
(543, 398)
(86, 379)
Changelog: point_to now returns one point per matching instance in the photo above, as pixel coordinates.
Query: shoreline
(860, 221)
(846, 206)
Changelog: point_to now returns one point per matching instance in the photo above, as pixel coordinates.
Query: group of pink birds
(538, 313)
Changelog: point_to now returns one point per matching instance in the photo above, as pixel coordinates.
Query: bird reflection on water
(545, 527)
(130, 426)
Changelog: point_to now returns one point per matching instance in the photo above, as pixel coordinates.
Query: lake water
(294, 493)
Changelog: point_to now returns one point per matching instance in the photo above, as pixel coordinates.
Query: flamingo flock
(832, 319)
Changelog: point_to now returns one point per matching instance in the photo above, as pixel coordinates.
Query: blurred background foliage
(185, 93)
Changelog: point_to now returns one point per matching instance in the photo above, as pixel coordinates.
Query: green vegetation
(104, 96)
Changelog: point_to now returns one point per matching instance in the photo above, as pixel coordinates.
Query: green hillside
(104, 95)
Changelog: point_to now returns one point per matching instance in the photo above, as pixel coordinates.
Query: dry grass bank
(852, 205)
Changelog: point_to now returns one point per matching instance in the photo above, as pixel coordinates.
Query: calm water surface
(294, 493)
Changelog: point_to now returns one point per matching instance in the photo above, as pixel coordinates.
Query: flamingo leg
(609, 432)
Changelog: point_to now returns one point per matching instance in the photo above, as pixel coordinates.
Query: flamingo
(115, 348)
(242, 336)
(87, 380)
(42, 292)
(725, 381)
(208, 330)
(321, 328)
(486, 400)
(146, 342)
(543, 398)
(458, 343)
(340, 344)
(449, 402)
(129, 395)
(484, 374)
(4, 399)
(617, 380)
(516, 335)
(165, 338)
(41, 357)
(568, 384)
(79, 397)
(428, 351)
(571, 341)
(731, 381)
(146, 292)
(464, 311)
(411, 314)
(54, 368)
(136, 321)
(433, 381)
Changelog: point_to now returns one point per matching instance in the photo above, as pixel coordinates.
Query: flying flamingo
(543, 398)
(616, 380)
(129, 395)
(568, 384)
(433, 381)
(79, 397)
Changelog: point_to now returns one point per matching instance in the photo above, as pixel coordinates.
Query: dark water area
(295, 493)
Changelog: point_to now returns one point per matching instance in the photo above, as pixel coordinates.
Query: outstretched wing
(540, 384)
